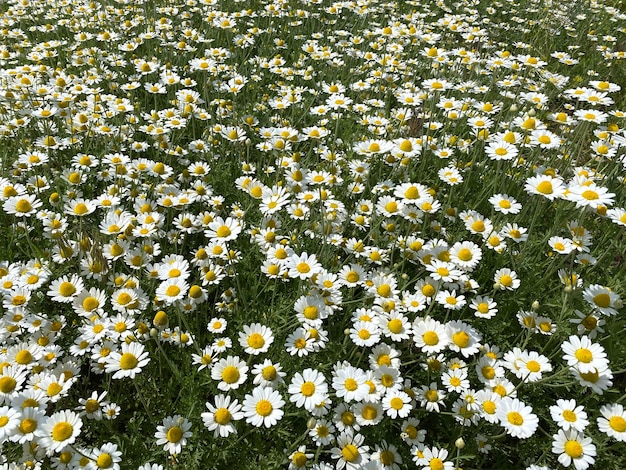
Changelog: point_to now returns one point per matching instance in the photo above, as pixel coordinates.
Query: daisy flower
(173, 434)
(434, 458)
(573, 447)
(569, 416)
(66, 288)
(303, 266)
(505, 204)
(431, 397)
(106, 457)
(517, 418)
(430, 335)
(30, 421)
(601, 298)
(128, 362)
(545, 185)
(613, 421)
(350, 451)
(463, 338)
(365, 333)
(220, 416)
(231, 372)
(397, 403)
(349, 383)
(484, 307)
(590, 195)
(581, 353)
(323, 432)
(59, 430)
(263, 407)
(223, 229)
(501, 150)
(10, 419)
(22, 206)
(307, 389)
(256, 338)
(505, 279)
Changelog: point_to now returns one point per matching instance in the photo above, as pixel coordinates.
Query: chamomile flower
(263, 407)
(66, 288)
(613, 421)
(173, 434)
(573, 447)
(602, 299)
(506, 279)
(256, 338)
(59, 430)
(350, 452)
(307, 389)
(231, 373)
(349, 383)
(128, 362)
(517, 418)
(581, 353)
(430, 335)
(221, 416)
(567, 415)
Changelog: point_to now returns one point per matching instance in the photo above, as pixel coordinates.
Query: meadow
(312, 235)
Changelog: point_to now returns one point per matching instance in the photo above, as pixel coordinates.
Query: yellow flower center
(62, 431)
(573, 449)
(303, 268)
(23, 357)
(23, 205)
(264, 408)
(128, 361)
(174, 434)
(223, 231)
(350, 453)
(66, 289)
(307, 389)
(230, 374)
(533, 366)
(583, 355)
(351, 384)
(172, 291)
(436, 464)
(28, 425)
(617, 423)
(545, 187)
(53, 389)
(91, 405)
(461, 339)
(396, 403)
(515, 418)
(269, 373)
(430, 338)
(104, 461)
(602, 300)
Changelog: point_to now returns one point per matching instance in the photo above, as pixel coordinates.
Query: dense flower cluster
(370, 224)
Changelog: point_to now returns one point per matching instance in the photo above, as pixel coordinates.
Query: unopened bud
(459, 443)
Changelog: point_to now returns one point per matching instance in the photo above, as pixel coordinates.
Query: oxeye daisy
(506, 279)
(173, 434)
(303, 266)
(463, 338)
(128, 362)
(573, 447)
(365, 333)
(517, 418)
(263, 407)
(430, 335)
(220, 416)
(545, 185)
(432, 458)
(350, 383)
(323, 432)
(300, 343)
(59, 430)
